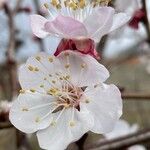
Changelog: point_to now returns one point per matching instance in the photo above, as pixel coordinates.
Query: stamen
(22, 91)
(72, 122)
(36, 69)
(50, 112)
(38, 58)
(25, 109)
(50, 59)
(37, 119)
(41, 106)
(33, 90)
(31, 68)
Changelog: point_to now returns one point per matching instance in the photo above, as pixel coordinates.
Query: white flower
(122, 128)
(64, 97)
(78, 20)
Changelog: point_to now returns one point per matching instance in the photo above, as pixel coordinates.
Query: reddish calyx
(85, 46)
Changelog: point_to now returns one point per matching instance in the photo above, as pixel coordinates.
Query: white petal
(99, 22)
(37, 25)
(121, 128)
(26, 117)
(119, 20)
(58, 137)
(105, 104)
(92, 73)
(46, 74)
(137, 147)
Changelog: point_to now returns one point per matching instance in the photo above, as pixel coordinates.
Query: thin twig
(139, 137)
(136, 96)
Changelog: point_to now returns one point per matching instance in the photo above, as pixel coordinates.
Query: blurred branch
(37, 7)
(146, 21)
(123, 142)
(11, 62)
(5, 125)
(136, 96)
(18, 3)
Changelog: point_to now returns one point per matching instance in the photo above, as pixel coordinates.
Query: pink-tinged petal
(37, 25)
(119, 20)
(99, 22)
(83, 69)
(59, 136)
(26, 113)
(66, 27)
(105, 104)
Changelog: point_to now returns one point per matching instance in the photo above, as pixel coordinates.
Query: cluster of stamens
(66, 96)
(76, 4)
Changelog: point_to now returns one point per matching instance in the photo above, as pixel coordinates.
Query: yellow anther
(25, 109)
(61, 78)
(38, 58)
(53, 91)
(83, 65)
(66, 77)
(50, 75)
(81, 4)
(73, 5)
(22, 91)
(42, 86)
(31, 68)
(72, 124)
(54, 2)
(67, 66)
(53, 123)
(87, 101)
(37, 119)
(46, 5)
(36, 69)
(32, 90)
(53, 81)
(58, 6)
(50, 59)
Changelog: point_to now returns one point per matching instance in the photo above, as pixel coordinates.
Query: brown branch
(136, 96)
(139, 137)
(11, 62)
(5, 125)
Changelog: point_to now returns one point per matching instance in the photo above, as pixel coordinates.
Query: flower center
(67, 96)
(76, 4)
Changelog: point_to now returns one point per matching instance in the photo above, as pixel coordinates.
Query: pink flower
(71, 21)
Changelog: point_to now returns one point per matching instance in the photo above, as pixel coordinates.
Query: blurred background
(125, 52)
